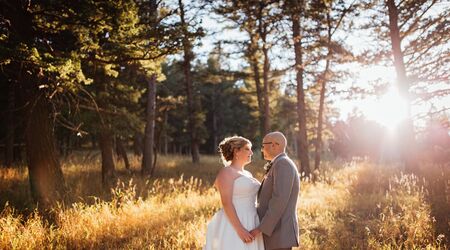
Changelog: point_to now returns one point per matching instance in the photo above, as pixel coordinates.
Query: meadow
(351, 205)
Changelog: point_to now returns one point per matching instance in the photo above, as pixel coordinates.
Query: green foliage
(230, 112)
(93, 59)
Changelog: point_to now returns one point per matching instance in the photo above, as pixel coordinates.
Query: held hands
(245, 236)
(248, 237)
(255, 232)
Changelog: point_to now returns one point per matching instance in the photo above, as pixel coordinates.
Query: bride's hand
(245, 236)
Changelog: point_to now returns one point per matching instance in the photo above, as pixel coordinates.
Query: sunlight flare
(389, 110)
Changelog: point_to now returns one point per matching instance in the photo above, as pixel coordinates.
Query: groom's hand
(255, 232)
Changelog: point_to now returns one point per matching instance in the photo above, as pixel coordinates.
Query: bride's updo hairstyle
(228, 145)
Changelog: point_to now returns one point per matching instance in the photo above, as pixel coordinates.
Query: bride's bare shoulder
(225, 174)
(248, 173)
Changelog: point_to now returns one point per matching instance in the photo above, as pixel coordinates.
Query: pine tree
(296, 8)
(192, 100)
(38, 56)
(328, 18)
(415, 35)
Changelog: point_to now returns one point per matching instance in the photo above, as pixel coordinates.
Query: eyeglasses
(262, 146)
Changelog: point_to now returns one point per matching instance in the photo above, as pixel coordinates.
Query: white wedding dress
(220, 234)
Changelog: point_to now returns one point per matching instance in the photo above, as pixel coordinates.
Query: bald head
(277, 137)
(274, 143)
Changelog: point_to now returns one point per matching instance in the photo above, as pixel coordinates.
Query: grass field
(354, 205)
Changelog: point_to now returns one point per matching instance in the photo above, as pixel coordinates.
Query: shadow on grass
(360, 216)
(15, 190)
(437, 179)
(368, 207)
(387, 209)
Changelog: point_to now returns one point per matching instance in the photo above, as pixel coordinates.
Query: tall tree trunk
(105, 135)
(10, 127)
(214, 120)
(266, 89)
(323, 82)
(188, 56)
(253, 58)
(318, 143)
(407, 139)
(262, 30)
(105, 141)
(166, 136)
(137, 144)
(303, 141)
(122, 152)
(149, 137)
(46, 178)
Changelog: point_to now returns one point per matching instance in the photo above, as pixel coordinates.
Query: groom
(277, 196)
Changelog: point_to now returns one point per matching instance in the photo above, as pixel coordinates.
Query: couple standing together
(255, 215)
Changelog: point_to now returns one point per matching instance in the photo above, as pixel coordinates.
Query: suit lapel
(271, 169)
(260, 187)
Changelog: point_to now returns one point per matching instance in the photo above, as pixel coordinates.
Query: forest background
(95, 94)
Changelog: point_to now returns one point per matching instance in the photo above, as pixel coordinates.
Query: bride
(230, 227)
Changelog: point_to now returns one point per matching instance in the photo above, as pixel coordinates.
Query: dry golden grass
(353, 206)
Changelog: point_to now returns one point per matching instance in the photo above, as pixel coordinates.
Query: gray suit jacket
(277, 204)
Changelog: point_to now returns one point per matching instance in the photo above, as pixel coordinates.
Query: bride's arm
(224, 183)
